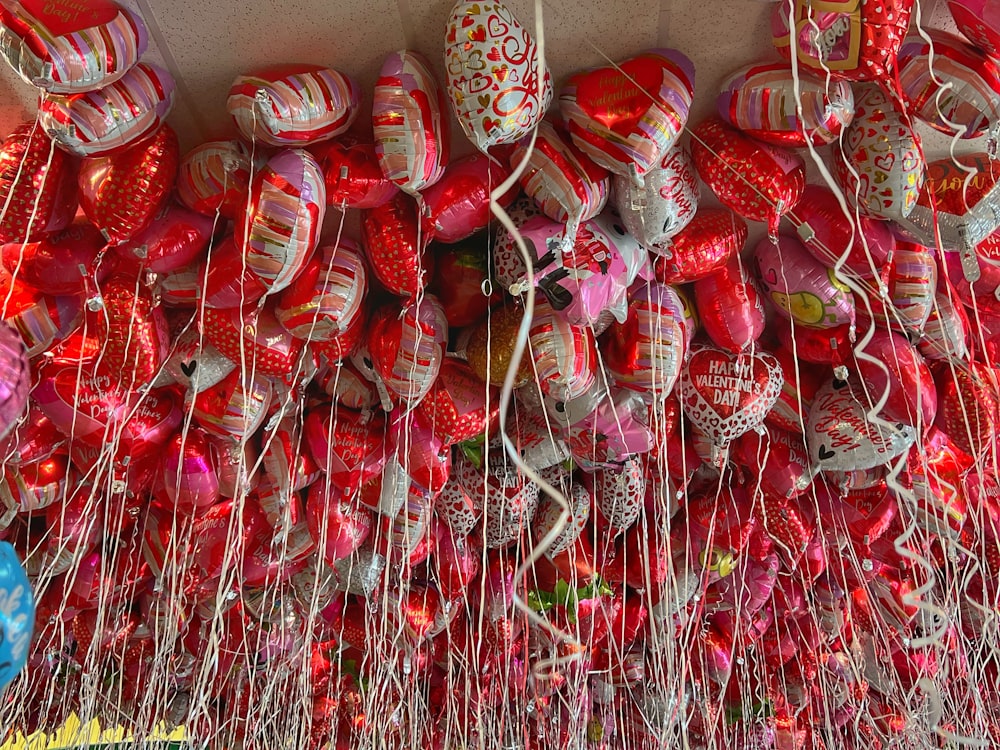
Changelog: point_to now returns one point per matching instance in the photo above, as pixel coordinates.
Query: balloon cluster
(605, 480)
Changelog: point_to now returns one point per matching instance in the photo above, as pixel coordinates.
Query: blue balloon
(17, 615)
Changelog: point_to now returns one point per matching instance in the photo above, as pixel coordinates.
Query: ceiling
(207, 44)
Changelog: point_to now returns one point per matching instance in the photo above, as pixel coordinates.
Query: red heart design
(478, 34)
(494, 54)
(456, 406)
(885, 161)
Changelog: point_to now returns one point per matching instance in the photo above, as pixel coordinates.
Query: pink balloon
(983, 294)
(338, 524)
(189, 477)
(729, 306)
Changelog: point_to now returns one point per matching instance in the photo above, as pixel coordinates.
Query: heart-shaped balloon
(253, 339)
(970, 407)
(407, 347)
(235, 407)
(564, 355)
(338, 524)
(706, 244)
(665, 203)
(459, 406)
(911, 279)
(458, 205)
(900, 370)
(190, 480)
(194, 363)
(627, 116)
(287, 462)
(37, 185)
(215, 177)
(801, 381)
(176, 238)
(549, 513)
(946, 331)
(53, 263)
(122, 193)
(133, 329)
(730, 307)
(42, 320)
(352, 173)
(348, 445)
(841, 437)
(619, 494)
(979, 22)
(395, 246)
(725, 395)
(511, 499)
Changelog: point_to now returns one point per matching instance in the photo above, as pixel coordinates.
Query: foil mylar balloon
(459, 406)
(946, 330)
(235, 407)
(850, 39)
(841, 437)
(254, 340)
(123, 192)
(190, 479)
(970, 408)
(64, 49)
(706, 244)
(294, 106)
(902, 372)
(99, 122)
(395, 246)
(37, 185)
(958, 93)
(176, 239)
(910, 283)
(412, 138)
(289, 186)
(762, 101)
(134, 331)
(407, 347)
(564, 354)
(353, 176)
(458, 205)
(979, 21)
(17, 615)
(347, 445)
(666, 202)
(757, 181)
(884, 152)
(801, 287)
(565, 183)
(730, 307)
(215, 177)
(626, 116)
(14, 378)
(194, 363)
(496, 89)
(491, 348)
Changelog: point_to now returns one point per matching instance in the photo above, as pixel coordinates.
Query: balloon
(293, 105)
(770, 180)
(619, 495)
(960, 94)
(18, 615)
(549, 513)
(30, 487)
(508, 265)
(336, 523)
(866, 245)
(761, 100)
(704, 246)
(626, 116)
(801, 288)
(190, 480)
(491, 346)
(564, 182)
(817, 345)
(729, 307)
(100, 122)
(902, 371)
(509, 498)
(352, 174)
(664, 204)
(175, 239)
(346, 343)
(235, 407)
(725, 395)
(287, 463)
(840, 436)
(946, 332)
(647, 350)
(37, 186)
(42, 320)
(122, 193)
(407, 346)
(289, 186)
(462, 283)
(395, 248)
(978, 21)
(494, 103)
(15, 379)
(458, 406)
(564, 355)
(412, 138)
(194, 363)
(611, 432)
(802, 380)
(215, 176)
(458, 205)
(849, 40)
(254, 340)
(133, 330)
(911, 279)
(983, 294)
(52, 264)
(327, 296)
(885, 154)
(347, 445)
(970, 407)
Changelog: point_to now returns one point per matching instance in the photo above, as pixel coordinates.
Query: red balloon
(777, 462)
(123, 192)
(348, 445)
(729, 307)
(970, 407)
(713, 237)
(52, 264)
(190, 480)
(458, 205)
(337, 523)
(459, 406)
(133, 330)
(352, 174)
(407, 346)
(825, 346)
(252, 338)
(396, 248)
(802, 380)
(230, 282)
(176, 238)
(912, 394)
(460, 272)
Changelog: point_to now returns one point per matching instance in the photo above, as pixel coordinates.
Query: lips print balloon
(851, 40)
(494, 84)
(407, 347)
(761, 100)
(215, 177)
(99, 122)
(801, 288)
(37, 185)
(666, 202)
(885, 154)
(725, 395)
(291, 186)
(412, 138)
(757, 181)
(627, 116)
(729, 307)
(293, 106)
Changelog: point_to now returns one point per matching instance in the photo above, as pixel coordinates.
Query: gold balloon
(491, 347)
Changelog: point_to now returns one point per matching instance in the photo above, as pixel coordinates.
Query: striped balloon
(412, 140)
(297, 107)
(99, 122)
(912, 281)
(407, 347)
(215, 176)
(70, 56)
(760, 100)
(564, 355)
(949, 84)
(282, 225)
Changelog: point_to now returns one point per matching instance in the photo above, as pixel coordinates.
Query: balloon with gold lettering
(496, 89)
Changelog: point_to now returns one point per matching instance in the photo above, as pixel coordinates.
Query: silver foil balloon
(665, 204)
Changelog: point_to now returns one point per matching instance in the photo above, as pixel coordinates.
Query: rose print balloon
(493, 82)
(664, 204)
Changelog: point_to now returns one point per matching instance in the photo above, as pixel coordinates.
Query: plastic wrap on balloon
(496, 89)
(412, 138)
(565, 183)
(407, 346)
(100, 122)
(458, 205)
(646, 352)
(885, 154)
(706, 244)
(665, 203)
(949, 84)
(37, 185)
(626, 116)
(215, 176)
(564, 355)
(854, 40)
(801, 288)
(395, 246)
(289, 186)
(842, 438)
(758, 181)
(730, 307)
(63, 49)
(294, 106)
(352, 173)
(762, 101)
